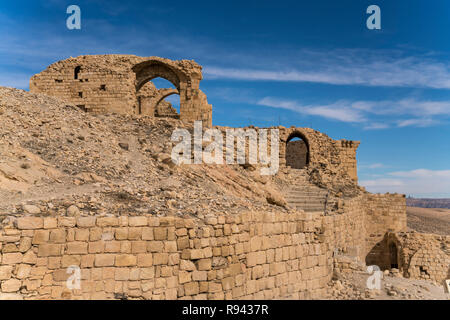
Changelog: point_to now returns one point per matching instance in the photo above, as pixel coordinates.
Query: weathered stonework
(250, 256)
(416, 255)
(253, 255)
(151, 101)
(112, 83)
(296, 154)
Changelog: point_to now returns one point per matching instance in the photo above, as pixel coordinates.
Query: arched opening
(393, 258)
(149, 70)
(156, 81)
(168, 105)
(77, 72)
(159, 98)
(297, 151)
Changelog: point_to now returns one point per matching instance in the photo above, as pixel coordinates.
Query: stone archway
(151, 69)
(147, 71)
(193, 103)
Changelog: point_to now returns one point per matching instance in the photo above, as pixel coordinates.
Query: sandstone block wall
(345, 231)
(249, 256)
(348, 157)
(296, 154)
(92, 89)
(319, 153)
(384, 213)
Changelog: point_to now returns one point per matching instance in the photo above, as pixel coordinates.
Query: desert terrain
(429, 220)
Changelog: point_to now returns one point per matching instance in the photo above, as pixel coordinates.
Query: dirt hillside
(54, 157)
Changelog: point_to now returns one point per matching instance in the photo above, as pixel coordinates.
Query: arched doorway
(156, 81)
(297, 151)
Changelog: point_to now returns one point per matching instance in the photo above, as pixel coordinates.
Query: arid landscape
(428, 203)
(429, 220)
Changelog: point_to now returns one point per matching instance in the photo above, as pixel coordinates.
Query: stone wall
(348, 156)
(93, 88)
(328, 164)
(345, 230)
(246, 256)
(249, 256)
(384, 213)
(296, 154)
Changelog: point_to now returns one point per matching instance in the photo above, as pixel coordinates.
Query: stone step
(311, 209)
(295, 204)
(305, 196)
(305, 192)
(306, 188)
(305, 203)
(311, 195)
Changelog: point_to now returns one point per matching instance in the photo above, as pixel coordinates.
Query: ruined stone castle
(121, 84)
(334, 225)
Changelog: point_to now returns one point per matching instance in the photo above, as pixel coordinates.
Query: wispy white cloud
(337, 111)
(414, 182)
(427, 122)
(347, 67)
(401, 113)
(371, 166)
(376, 126)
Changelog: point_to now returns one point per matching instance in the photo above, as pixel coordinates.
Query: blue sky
(302, 63)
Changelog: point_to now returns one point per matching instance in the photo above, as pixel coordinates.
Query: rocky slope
(58, 160)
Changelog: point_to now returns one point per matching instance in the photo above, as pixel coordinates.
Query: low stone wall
(248, 256)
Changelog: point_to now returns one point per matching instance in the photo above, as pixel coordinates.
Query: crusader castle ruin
(333, 224)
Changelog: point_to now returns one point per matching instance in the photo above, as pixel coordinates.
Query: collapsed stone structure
(119, 83)
(325, 222)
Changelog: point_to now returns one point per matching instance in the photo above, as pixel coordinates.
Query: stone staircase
(304, 195)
